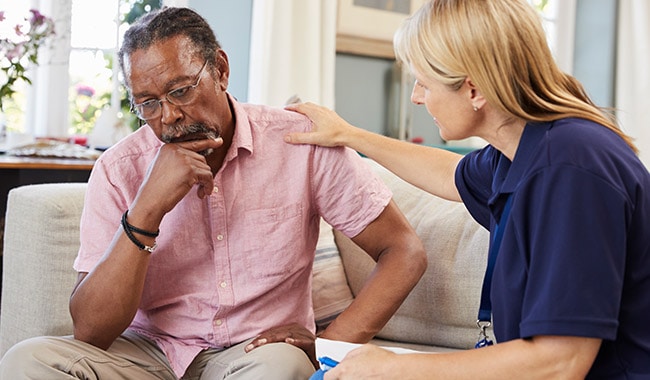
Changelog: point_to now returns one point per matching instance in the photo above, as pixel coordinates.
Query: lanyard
(485, 310)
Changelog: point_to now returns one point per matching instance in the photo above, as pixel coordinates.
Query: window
(559, 22)
(95, 78)
(15, 13)
(94, 82)
(93, 42)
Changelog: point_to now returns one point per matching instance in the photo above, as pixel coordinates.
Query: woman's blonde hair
(501, 46)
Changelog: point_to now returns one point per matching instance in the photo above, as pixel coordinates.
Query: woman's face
(452, 110)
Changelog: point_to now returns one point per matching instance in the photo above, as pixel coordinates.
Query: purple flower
(37, 18)
(16, 52)
(17, 30)
(83, 89)
(22, 49)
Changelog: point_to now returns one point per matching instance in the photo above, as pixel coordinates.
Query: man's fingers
(255, 343)
(205, 182)
(201, 145)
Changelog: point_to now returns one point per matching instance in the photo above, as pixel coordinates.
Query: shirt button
(218, 322)
(219, 237)
(223, 284)
(215, 189)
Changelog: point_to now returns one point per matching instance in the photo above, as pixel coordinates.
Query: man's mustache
(190, 132)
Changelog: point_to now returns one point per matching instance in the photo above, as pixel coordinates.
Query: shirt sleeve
(348, 194)
(112, 186)
(474, 176)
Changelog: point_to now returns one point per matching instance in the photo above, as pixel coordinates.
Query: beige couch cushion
(442, 309)
(41, 242)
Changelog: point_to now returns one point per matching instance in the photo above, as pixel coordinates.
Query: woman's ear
(475, 96)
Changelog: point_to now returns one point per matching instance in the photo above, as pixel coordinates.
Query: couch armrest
(41, 243)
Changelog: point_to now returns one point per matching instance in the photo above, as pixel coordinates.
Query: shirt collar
(243, 136)
(509, 174)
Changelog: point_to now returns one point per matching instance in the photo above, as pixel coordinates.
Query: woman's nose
(416, 95)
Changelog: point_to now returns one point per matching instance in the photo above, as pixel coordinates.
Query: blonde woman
(568, 289)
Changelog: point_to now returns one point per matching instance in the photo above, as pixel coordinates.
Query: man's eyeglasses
(182, 96)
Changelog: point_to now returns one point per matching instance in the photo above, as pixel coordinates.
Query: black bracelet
(128, 230)
(136, 229)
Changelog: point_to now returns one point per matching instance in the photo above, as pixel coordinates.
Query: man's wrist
(129, 230)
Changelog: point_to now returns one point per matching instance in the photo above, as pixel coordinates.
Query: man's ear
(223, 69)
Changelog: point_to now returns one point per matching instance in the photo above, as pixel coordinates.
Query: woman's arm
(430, 169)
(542, 357)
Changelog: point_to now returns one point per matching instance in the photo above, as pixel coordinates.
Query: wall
(364, 90)
(594, 61)
(362, 83)
(231, 21)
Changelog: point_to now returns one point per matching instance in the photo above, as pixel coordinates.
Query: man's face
(181, 97)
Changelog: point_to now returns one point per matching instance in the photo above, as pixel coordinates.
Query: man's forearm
(105, 300)
(376, 302)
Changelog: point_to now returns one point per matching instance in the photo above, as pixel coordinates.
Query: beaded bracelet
(129, 229)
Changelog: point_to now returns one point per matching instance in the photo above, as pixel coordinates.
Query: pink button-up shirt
(239, 262)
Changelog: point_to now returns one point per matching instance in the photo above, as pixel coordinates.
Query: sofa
(41, 242)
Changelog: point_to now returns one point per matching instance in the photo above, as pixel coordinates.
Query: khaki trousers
(134, 357)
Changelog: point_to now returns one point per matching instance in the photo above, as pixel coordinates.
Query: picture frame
(366, 27)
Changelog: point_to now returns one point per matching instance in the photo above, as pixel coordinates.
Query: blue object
(318, 375)
(326, 364)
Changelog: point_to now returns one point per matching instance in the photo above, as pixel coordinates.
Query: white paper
(337, 349)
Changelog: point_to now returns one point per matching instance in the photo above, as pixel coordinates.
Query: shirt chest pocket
(275, 244)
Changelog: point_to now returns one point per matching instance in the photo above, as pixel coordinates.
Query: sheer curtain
(562, 32)
(632, 75)
(293, 49)
(47, 98)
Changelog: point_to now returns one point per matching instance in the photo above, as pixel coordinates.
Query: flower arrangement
(20, 49)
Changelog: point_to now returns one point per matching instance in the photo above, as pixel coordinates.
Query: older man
(199, 229)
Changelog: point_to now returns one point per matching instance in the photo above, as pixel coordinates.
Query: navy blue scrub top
(575, 255)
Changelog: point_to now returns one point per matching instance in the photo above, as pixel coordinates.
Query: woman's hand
(365, 362)
(329, 128)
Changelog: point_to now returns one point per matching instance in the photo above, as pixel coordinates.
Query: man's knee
(273, 361)
(30, 353)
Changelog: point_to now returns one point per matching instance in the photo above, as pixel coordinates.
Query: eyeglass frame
(135, 108)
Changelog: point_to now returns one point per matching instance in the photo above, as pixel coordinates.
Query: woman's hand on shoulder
(329, 129)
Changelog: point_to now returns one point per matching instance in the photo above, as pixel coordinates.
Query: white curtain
(176, 3)
(47, 98)
(293, 49)
(562, 32)
(633, 76)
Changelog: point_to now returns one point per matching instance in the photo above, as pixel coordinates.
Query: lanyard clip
(483, 338)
